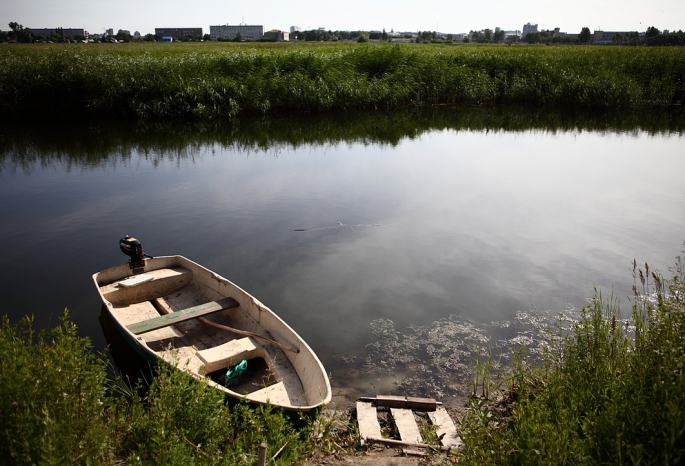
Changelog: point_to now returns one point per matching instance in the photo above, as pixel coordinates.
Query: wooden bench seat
(182, 316)
(229, 354)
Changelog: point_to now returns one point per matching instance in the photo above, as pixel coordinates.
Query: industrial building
(251, 32)
(177, 33)
(277, 36)
(50, 31)
(529, 28)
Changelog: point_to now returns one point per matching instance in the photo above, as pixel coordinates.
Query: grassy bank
(609, 391)
(60, 406)
(219, 80)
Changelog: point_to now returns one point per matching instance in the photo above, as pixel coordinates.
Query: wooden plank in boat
(182, 316)
(367, 418)
(136, 280)
(406, 425)
(228, 354)
(444, 428)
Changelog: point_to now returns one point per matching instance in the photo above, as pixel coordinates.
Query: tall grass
(224, 81)
(609, 392)
(52, 390)
(58, 405)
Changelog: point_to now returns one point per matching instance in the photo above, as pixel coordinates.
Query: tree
(585, 36)
(384, 35)
(652, 32)
(487, 35)
(363, 37)
(206, 37)
(532, 38)
(20, 33)
(498, 36)
(634, 38)
(149, 37)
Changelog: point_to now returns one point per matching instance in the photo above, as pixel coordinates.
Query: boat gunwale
(162, 261)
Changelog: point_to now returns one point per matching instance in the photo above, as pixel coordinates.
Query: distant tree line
(652, 37)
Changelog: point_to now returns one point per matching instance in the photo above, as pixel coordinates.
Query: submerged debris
(438, 361)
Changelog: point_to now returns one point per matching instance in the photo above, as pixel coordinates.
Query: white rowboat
(176, 311)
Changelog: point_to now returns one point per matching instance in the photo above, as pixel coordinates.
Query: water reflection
(391, 238)
(95, 143)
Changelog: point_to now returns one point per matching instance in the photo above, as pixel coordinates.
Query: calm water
(412, 223)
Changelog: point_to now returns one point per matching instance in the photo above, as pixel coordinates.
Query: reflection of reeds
(100, 143)
(215, 82)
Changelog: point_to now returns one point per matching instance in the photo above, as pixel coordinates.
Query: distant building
(178, 33)
(109, 32)
(252, 32)
(512, 35)
(136, 35)
(563, 35)
(528, 28)
(294, 29)
(607, 37)
(50, 31)
(277, 36)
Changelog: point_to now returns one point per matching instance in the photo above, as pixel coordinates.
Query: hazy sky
(401, 15)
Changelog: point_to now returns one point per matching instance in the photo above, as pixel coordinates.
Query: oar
(248, 334)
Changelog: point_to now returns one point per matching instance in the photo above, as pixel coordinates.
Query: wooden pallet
(370, 429)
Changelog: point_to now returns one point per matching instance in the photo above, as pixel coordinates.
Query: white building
(252, 32)
(277, 36)
(294, 29)
(512, 35)
(528, 28)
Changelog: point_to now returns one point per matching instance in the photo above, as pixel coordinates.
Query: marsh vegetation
(218, 80)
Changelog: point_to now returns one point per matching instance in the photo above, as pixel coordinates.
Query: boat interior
(172, 313)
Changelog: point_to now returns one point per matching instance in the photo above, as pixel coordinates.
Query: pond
(390, 242)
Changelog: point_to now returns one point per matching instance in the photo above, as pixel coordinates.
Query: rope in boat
(248, 334)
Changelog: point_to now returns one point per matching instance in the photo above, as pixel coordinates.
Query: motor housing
(133, 249)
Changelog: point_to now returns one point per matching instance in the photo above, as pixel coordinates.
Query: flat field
(224, 80)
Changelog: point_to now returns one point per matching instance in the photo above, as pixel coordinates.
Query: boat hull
(285, 372)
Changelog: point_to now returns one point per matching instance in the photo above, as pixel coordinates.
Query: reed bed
(218, 80)
(609, 391)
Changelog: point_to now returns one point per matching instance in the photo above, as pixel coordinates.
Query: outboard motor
(133, 249)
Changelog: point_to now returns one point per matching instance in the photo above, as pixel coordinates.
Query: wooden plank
(136, 280)
(228, 354)
(182, 316)
(367, 418)
(406, 425)
(400, 443)
(444, 428)
(405, 402)
(421, 404)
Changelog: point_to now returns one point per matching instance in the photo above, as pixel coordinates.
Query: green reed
(204, 81)
(60, 405)
(609, 391)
